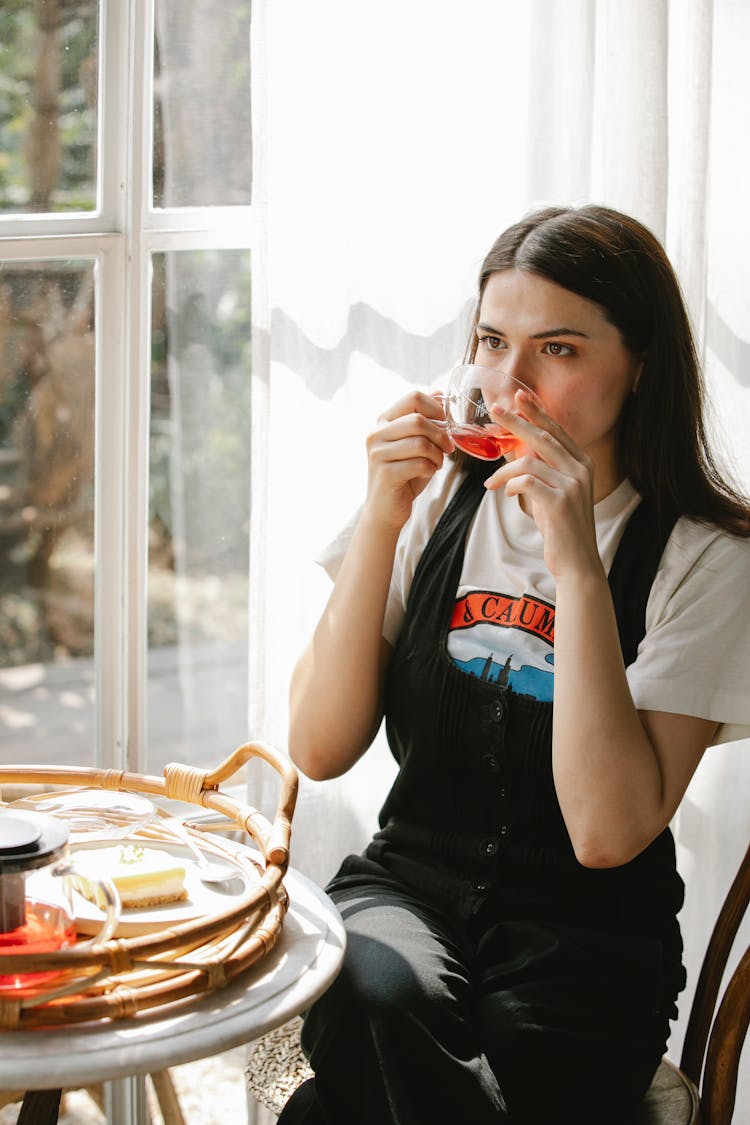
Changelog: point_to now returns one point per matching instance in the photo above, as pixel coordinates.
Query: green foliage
(77, 46)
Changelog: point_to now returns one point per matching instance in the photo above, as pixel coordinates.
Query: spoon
(209, 871)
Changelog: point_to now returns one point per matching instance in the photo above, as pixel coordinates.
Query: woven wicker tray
(123, 976)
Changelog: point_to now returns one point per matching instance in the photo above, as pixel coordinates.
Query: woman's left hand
(554, 481)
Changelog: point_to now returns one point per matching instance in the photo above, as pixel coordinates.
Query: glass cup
(470, 394)
(37, 912)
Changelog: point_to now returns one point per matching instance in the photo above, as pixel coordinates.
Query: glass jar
(37, 915)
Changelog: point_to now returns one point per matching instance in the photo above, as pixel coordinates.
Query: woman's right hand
(404, 451)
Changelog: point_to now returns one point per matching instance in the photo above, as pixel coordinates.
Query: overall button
(481, 888)
(503, 794)
(504, 829)
(497, 711)
(490, 762)
(489, 846)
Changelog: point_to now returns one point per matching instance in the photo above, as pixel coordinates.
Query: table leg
(40, 1107)
(167, 1097)
(126, 1100)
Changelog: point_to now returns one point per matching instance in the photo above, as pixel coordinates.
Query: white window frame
(120, 236)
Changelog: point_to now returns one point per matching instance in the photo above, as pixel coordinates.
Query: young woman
(553, 640)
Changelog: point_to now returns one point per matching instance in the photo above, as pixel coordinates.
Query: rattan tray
(124, 976)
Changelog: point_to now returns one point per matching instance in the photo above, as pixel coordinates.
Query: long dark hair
(609, 258)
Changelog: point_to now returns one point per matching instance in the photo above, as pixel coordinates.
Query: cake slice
(143, 876)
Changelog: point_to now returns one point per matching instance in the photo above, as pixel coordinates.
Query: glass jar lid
(29, 840)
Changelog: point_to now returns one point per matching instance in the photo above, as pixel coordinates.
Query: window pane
(199, 506)
(202, 130)
(48, 105)
(47, 511)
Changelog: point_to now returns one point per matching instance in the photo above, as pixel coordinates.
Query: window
(125, 351)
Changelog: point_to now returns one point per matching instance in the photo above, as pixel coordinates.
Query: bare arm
(337, 684)
(619, 774)
(336, 700)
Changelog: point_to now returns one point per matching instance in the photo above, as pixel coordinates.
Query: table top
(304, 961)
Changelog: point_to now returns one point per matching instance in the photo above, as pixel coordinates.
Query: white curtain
(393, 142)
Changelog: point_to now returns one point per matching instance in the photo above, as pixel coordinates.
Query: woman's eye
(492, 343)
(556, 349)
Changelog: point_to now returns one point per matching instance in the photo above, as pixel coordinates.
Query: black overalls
(489, 977)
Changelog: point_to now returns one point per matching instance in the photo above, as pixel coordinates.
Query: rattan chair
(701, 1091)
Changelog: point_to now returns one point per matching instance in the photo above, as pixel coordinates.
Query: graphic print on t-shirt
(505, 640)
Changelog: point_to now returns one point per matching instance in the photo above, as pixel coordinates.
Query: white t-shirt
(694, 658)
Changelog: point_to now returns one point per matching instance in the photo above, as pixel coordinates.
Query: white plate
(203, 899)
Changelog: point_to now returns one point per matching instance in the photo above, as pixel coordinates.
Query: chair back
(715, 1034)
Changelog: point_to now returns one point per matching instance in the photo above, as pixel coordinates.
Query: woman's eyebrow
(548, 332)
(558, 332)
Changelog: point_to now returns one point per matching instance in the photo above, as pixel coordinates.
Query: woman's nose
(510, 361)
(516, 369)
(500, 390)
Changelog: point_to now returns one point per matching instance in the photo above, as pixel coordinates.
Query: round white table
(304, 961)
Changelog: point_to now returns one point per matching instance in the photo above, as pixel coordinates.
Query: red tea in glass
(472, 392)
(46, 928)
(483, 442)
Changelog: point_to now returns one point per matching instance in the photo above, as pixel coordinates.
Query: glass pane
(48, 105)
(47, 512)
(199, 506)
(202, 128)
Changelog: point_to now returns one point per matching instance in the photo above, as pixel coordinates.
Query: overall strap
(446, 544)
(632, 573)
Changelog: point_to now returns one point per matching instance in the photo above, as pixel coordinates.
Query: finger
(408, 467)
(395, 474)
(529, 407)
(524, 467)
(532, 485)
(409, 447)
(413, 425)
(546, 438)
(416, 402)
(529, 479)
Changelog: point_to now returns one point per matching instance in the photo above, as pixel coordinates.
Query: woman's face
(566, 351)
